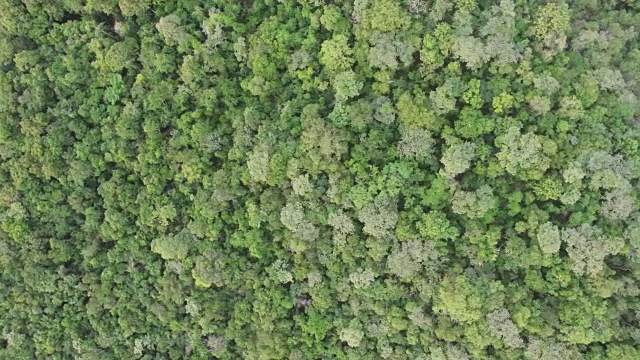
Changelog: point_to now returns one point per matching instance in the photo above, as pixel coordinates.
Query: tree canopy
(315, 179)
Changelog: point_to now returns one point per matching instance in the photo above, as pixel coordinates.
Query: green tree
(456, 298)
(335, 54)
(172, 247)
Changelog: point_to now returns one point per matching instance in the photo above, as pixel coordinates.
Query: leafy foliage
(311, 179)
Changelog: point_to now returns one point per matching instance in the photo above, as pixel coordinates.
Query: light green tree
(457, 158)
(172, 30)
(587, 247)
(379, 217)
(521, 154)
(362, 278)
(352, 336)
(346, 85)
(415, 142)
(548, 238)
(473, 204)
(501, 326)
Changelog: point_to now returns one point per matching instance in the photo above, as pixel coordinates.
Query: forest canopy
(320, 179)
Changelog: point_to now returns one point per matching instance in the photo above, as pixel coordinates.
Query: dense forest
(320, 179)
